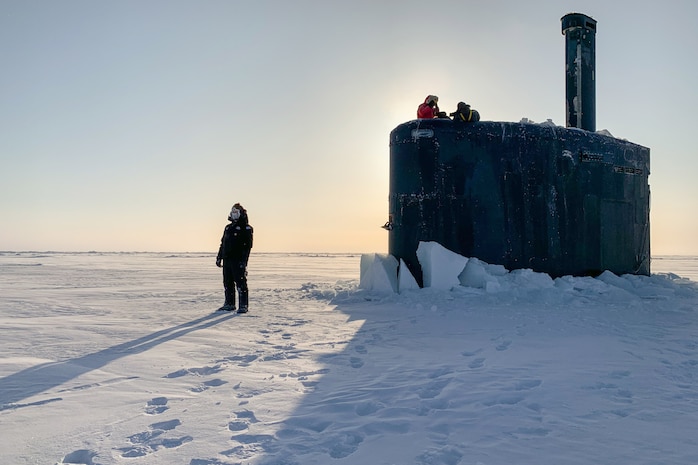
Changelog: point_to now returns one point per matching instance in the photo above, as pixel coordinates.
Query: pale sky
(135, 125)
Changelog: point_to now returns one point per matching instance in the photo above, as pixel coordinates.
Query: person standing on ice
(233, 254)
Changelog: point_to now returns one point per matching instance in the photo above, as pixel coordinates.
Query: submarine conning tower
(564, 201)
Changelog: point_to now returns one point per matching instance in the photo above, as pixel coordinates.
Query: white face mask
(235, 214)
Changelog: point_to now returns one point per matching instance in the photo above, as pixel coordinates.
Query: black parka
(236, 242)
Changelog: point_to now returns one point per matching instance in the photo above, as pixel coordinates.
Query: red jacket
(424, 111)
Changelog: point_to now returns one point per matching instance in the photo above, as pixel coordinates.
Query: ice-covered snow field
(121, 358)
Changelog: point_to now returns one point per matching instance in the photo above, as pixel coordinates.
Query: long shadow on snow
(395, 385)
(40, 378)
(347, 403)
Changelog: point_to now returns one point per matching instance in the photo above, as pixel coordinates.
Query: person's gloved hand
(218, 262)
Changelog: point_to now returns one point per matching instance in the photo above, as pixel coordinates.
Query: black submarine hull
(563, 201)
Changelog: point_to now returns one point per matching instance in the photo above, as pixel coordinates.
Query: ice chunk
(529, 279)
(495, 270)
(405, 280)
(482, 275)
(440, 266)
(378, 273)
(475, 275)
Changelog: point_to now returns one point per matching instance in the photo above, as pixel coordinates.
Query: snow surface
(550, 123)
(120, 359)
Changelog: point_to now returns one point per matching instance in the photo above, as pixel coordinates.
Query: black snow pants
(235, 277)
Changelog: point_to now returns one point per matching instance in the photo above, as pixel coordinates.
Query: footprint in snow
(82, 456)
(368, 408)
(243, 360)
(207, 385)
(432, 389)
(147, 442)
(447, 456)
(343, 445)
(156, 406)
(202, 371)
(242, 420)
(504, 345)
(471, 353)
(527, 384)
